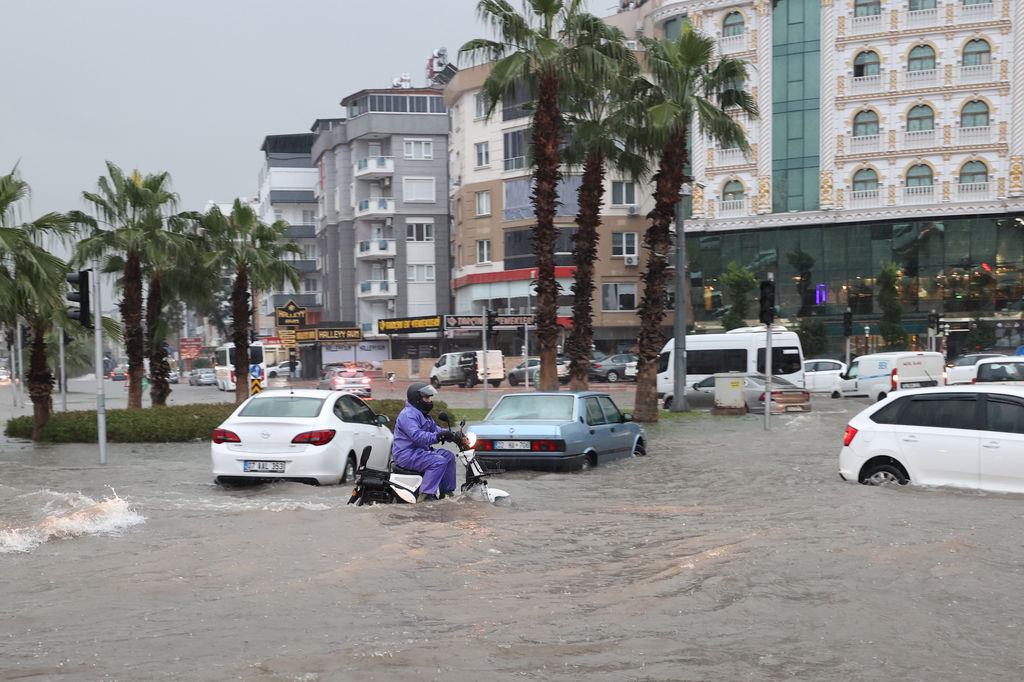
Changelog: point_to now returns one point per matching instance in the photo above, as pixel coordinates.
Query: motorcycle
(400, 485)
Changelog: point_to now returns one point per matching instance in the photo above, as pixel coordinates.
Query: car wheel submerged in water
(881, 474)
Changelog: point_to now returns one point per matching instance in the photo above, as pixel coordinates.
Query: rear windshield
(282, 406)
(1001, 371)
(550, 407)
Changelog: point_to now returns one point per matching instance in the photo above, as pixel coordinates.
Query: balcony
(736, 43)
(922, 78)
(923, 18)
(981, 12)
(302, 266)
(977, 73)
(916, 139)
(308, 300)
(861, 85)
(868, 24)
(865, 144)
(974, 135)
(733, 208)
(374, 168)
(922, 194)
(377, 206)
(974, 191)
(378, 289)
(375, 249)
(865, 198)
(730, 157)
(300, 232)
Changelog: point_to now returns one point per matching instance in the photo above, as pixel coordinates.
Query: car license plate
(514, 444)
(911, 384)
(630, 371)
(263, 467)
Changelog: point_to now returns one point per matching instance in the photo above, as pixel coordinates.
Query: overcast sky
(192, 87)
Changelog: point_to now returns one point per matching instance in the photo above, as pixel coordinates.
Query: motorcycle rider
(415, 432)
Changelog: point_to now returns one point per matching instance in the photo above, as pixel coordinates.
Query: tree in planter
(981, 336)
(813, 336)
(737, 283)
(893, 333)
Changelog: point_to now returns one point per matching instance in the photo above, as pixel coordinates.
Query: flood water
(727, 553)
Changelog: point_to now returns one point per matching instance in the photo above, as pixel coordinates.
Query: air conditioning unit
(391, 304)
(385, 182)
(631, 45)
(391, 262)
(631, 210)
(387, 222)
(631, 261)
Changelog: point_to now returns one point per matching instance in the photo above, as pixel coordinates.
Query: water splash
(70, 515)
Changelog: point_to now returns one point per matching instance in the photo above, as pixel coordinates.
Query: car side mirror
(627, 416)
(382, 419)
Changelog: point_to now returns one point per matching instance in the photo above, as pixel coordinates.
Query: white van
(467, 368)
(737, 350)
(878, 374)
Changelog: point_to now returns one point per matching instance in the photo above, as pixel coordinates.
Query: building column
(1017, 102)
(764, 106)
(827, 151)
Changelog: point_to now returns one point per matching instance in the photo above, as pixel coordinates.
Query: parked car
(963, 369)
(346, 379)
(786, 396)
(204, 376)
(303, 434)
(119, 373)
(820, 374)
(967, 436)
(173, 377)
(285, 369)
(467, 368)
(526, 371)
(612, 368)
(5, 375)
(561, 431)
(1005, 369)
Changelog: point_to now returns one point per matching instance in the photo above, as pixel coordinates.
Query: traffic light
(848, 323)
(933, 320)
(81, 297)
(26, 337)
(767, 301)
(9, 337)
(489, 316)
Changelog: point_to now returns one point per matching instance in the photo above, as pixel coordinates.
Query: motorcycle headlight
(471, 439)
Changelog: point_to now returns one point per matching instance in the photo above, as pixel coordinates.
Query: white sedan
(821, 374)
(305, 435)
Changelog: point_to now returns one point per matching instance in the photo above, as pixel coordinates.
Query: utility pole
(101, 410)
(679, 402)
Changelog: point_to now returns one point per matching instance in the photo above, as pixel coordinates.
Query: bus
(737, 350)
(224, 364)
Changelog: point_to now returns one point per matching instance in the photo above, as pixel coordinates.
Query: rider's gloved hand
(446, 437)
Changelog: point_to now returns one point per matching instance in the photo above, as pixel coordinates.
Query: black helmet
(416, 394)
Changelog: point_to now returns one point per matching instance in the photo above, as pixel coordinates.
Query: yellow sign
(287, 337)
(291, 314)
(256, 387)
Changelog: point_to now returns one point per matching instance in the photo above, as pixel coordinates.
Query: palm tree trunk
(581, 337)
(547, 139)
(658, 240)
(134, 338)
(159, 388)
(40, 383)
(241, 316)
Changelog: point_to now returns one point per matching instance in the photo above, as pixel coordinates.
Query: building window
(308, 216)
(483, 154)
(973, 172)
(919, 176)
(483, 251)
(865, 180)
(420, 273)
(480, 105)
(483, 203)
(866, 63)
(921, 117)
(977, 2)
(624, 243)
(922, 58)
(977, 52)
(419, 232)
(418, 189)
(732, 191)
(623, 193)
(618, 296)
(515, 149)
(419, 150)
(867, 8)
(310, 285)
(865, 123)
(733, 24)
(974, 115)
(918, 5)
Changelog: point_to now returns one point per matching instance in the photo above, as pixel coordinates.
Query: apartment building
(889, 130)
(494, 263)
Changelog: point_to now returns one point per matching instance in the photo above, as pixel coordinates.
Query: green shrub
(171, 424)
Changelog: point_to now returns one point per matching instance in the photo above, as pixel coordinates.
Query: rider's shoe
(426, 497)
(446, 493)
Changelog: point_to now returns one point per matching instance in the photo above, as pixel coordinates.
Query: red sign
(189, 348)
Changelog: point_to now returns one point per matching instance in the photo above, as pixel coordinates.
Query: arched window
(977, 2)
(974, 115)
(921, 117)
(733, 191)
(867, 8)
(866, 64)
(919, 176)
(973, 172)
(864, 180)
(865, 123)
(733, 24)
(922, 58)
(918, 5)
(977, 52)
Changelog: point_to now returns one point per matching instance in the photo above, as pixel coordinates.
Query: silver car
(346, 379)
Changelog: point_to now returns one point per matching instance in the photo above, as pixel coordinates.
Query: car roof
(962, 388)
(989, 359)
(578, 394)
(297, 392)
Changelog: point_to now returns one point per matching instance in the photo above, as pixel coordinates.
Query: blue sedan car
(560, 431)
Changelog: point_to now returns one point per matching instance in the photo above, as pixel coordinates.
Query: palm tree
(251, 251)
(593, 101)
(533, 51)
(31, 286)
(128, 208)
(687, 85)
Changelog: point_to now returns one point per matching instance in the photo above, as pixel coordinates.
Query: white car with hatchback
(820, 374)
(306, 435)
(965, 368)
(962, 436)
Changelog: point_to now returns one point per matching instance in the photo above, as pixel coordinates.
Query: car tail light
(319, 437)
(597, 365)
(225, 436)
(974, 380)
(848, 436)
(895, 380)
(945, 378)
(485, 445)
(761, 399)
(547, 445)
(367, 380)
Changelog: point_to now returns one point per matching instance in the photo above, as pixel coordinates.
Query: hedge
(171, 424)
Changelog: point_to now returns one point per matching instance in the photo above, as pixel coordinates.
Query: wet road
(727, 553)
